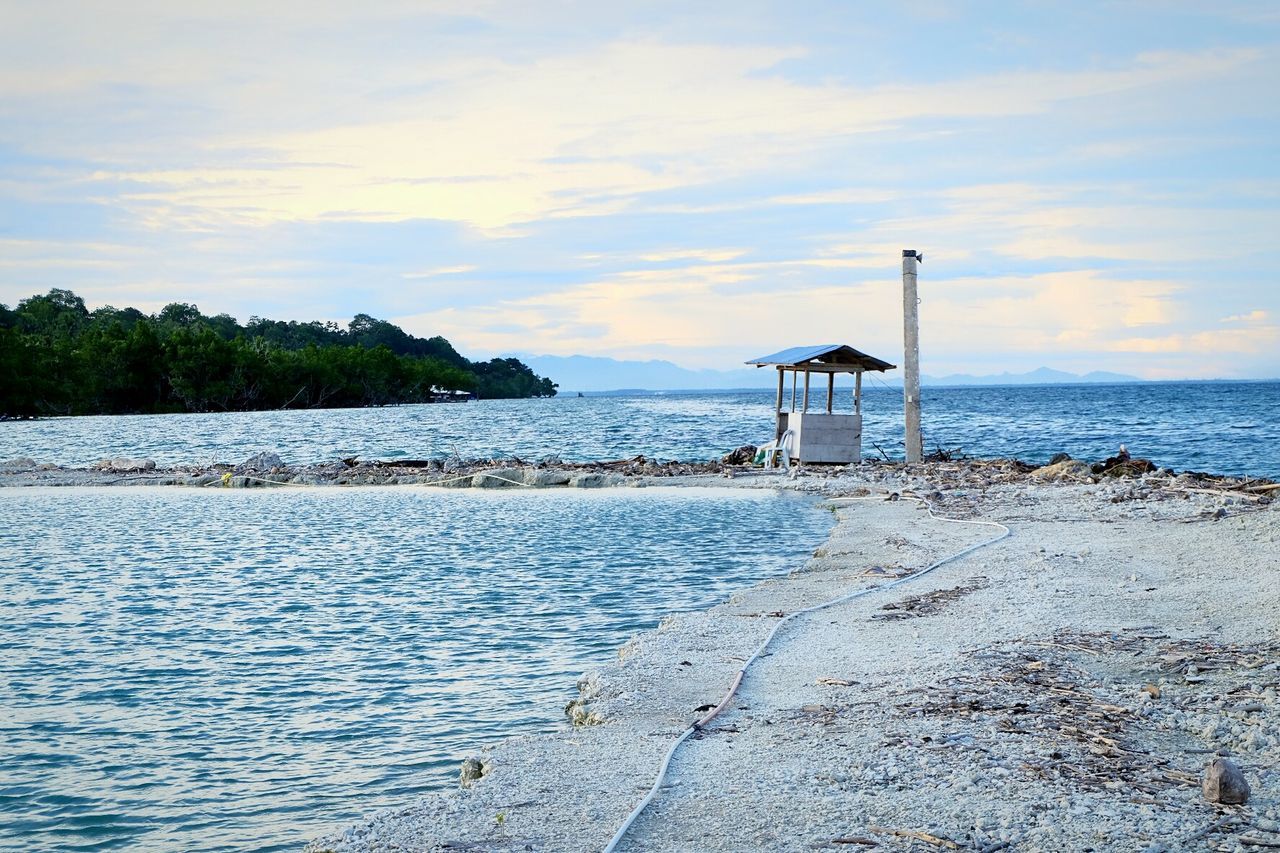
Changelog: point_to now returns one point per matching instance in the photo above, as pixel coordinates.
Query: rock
(544, 478)
(499, 478)
(453, 481)
(741, 456)
(1068, 469)
(1060, 457)
(1224, 783)
(473, 770)
(1123, 465)
(125, 465)
(14, 466)
(263, 462)
(1127, 468)
(581, 716)
(588, 481)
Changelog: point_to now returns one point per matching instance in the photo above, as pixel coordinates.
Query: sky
(1094, 186)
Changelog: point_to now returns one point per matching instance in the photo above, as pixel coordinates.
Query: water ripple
(241, 670)
(1225, 427)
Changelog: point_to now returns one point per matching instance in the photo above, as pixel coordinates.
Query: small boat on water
(444, 396)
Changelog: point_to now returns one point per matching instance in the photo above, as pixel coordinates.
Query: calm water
(1223, 427)
(242, 670)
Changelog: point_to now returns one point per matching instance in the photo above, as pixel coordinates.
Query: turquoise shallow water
(1222, 427)
(242, 670)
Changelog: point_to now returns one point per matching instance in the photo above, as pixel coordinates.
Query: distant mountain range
(1039, 376)
(594, 374)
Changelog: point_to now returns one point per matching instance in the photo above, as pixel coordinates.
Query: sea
(1215, 427)
(235, 670)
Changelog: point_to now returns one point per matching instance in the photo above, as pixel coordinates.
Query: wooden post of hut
(820, 436)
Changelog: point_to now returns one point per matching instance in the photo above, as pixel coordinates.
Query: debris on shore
(266, 469)
(1105, 678)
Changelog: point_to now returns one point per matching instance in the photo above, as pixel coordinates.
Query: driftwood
(929, 603)
(1044, 697)
(936, 841)
(1258, 841)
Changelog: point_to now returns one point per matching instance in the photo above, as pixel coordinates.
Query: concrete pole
(911, 357)
(778, 417)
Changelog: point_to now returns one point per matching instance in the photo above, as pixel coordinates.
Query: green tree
(59, 313)
(59, 358)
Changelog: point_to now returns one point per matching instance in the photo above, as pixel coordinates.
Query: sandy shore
(1060, 690)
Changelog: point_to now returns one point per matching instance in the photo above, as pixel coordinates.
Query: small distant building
(821, 436)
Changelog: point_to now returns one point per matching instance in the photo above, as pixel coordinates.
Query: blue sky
(1094, 185)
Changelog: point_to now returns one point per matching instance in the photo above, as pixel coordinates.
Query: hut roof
(827, 358)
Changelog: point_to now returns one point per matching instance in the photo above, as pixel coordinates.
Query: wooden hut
(821, 436)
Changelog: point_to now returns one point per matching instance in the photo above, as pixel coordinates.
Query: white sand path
(1008, 711)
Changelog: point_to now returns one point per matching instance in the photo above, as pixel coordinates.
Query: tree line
(59, 358)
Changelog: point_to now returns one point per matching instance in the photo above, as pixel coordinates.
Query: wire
(737, 681)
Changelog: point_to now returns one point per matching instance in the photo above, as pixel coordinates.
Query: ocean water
(243, 670)
(1221, 427)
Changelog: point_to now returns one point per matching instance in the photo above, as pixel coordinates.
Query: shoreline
(267, 470)
(1058, 690)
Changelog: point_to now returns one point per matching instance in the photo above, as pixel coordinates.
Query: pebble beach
(1061, 689)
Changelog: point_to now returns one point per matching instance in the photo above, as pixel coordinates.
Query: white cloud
(437, 272)
(1255, 316)
(582, 134)
(748, 188)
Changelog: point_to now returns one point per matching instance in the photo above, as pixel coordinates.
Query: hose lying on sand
(737, 680)
(226, 479)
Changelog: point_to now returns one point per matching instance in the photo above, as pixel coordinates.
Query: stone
(1060, 457)
(581, 715)
(588, 481)
(499, 478)
(125, 465)
(22, 463)
(473, 770)
(545, 478)
(453, 481)
(261, 462)
(1068, 469)
(1224, 783)
(740, 456)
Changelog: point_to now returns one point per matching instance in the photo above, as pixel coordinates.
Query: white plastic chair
(779, 451)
